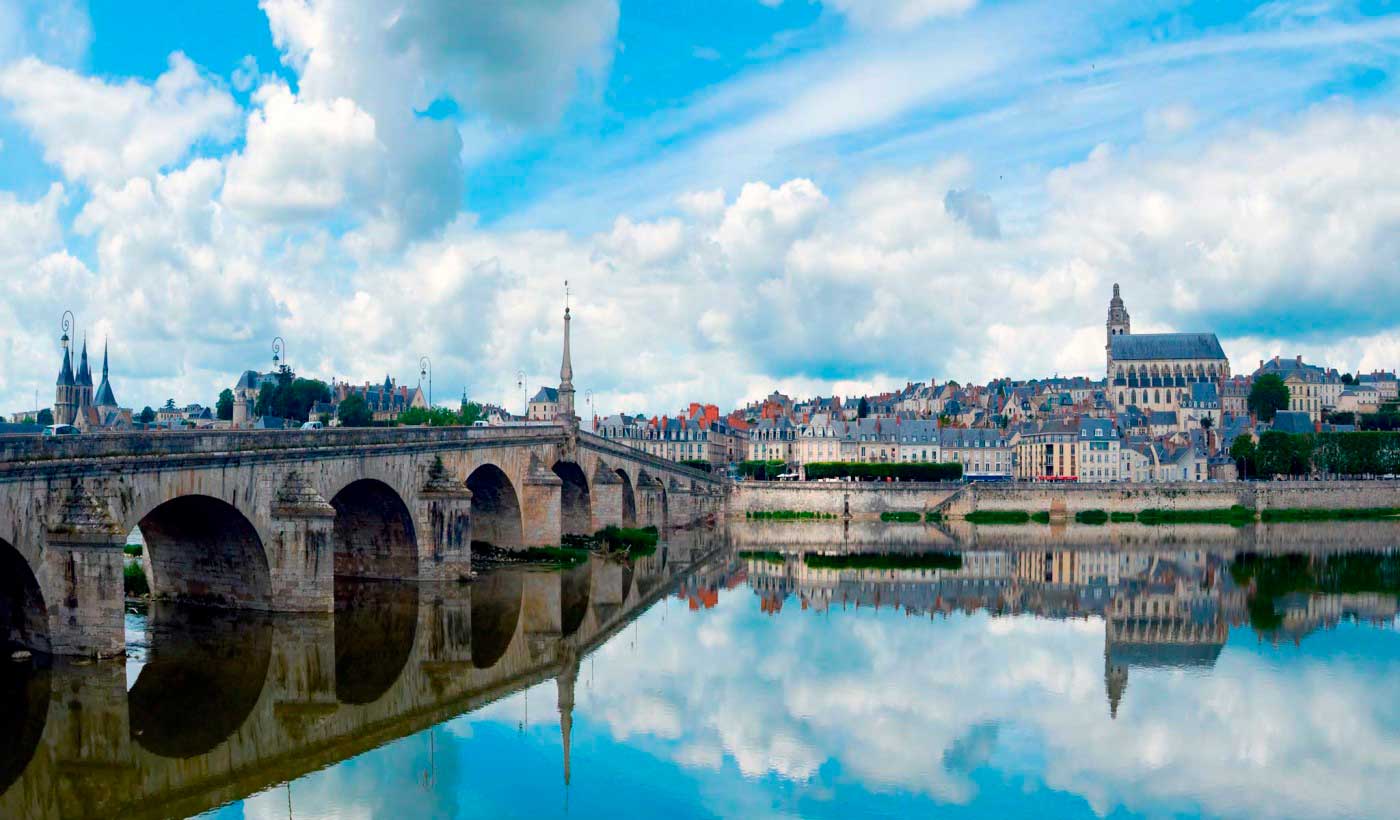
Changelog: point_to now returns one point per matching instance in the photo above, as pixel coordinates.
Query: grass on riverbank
(788, 515)
(901, 517)
(765, 556)
(1236, 516)
(918, 560)
(134, 580)
(134, 550)
(1316, 514)
(1092, 517)
(933, 516)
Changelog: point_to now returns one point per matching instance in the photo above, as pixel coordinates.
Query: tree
(1268, 396)
(224, 408)
(45, 417)
(1242, 450)
(862, 409)
(470, 413)
(1348, 379)
(147, 415)
(169, 404)
(353, 411)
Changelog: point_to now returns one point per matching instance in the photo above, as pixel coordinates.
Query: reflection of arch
(496, 599)
(24, 620)
(205, 673)
(203, 550)
(574, 586)
(24, 708)
(374, 535)
(495, 508)
(629, 500)
(575, 505)
(375, 623)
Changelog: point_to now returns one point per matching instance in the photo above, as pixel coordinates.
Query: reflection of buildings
(1161, 610)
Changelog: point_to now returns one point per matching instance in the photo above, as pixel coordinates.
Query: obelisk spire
(566, 368)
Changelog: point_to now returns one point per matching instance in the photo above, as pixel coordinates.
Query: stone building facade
(1155, 371)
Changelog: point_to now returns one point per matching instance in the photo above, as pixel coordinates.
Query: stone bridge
(269, 520)
(280, 695)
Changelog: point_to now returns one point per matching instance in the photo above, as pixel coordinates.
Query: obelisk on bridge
(566, 374)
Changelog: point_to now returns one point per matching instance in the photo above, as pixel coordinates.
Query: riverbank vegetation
(1275, 576)
(998, 517)
(134, 580)
(897, 560)
(133, 550)
(765, 556)
(901, 517)
(1316, 514)
(760, 470)
(788, 515)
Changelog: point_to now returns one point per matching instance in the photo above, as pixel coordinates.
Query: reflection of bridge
(229, 704)
(266, 521)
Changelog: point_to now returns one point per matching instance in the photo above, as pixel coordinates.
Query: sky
(743, 195)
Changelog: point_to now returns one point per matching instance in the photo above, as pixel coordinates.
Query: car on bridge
(55, 430)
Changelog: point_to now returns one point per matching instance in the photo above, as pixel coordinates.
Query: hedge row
(914, 471)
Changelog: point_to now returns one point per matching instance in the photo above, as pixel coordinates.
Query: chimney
(1300, 358)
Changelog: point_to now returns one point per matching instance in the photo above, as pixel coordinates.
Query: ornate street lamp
(279, 349)
(425, 370)
(520, 385)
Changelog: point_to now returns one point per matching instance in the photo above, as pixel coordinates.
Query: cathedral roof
(1150, 346)
(84, 378)
(65, 373)
(104, 396)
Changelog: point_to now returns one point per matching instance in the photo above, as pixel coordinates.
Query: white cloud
(56, 31)
(100, 132)
(899, 14)
(303, 159)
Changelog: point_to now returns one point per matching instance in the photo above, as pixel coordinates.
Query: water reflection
(1074, 675)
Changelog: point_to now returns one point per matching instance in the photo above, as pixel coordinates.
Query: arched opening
(204, 551)
(575, 505)
(496, 600)
(629, 500)
(375, 625)
(202, 679)
(374, 535)
(495, 508)
(574, 586)
(24, 620)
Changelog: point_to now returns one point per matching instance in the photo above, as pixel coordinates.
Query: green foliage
(1360, 453)
(169, 404)
(1284, 454)
(1041, 517)
(915, 471)
(1345, 417)
(863, 408)
(764, 556)
(697, 463)
(45, 417)
(1348, 379)
(787, 515)
(917, 560)
(134, 580)
(134, 550)
(636, 541)
(1243, 451)
(1267, 396)
(1095, 517)
(1387, 420)
(762, 470)
(223, 408)
(933, 516)
(998, 516)
(1274, 576)
(353, 411)
(470, 412)
(1121, 517)
(290, 397)
(147, 415)
(1235, 516)
(901, 517)
(468, 415)
(1315, 514)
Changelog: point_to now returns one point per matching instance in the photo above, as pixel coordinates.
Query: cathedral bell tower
(1118, 323)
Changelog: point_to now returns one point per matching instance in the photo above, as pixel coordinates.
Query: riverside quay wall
(860, 500)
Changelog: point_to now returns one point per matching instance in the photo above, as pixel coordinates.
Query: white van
(313, 425)
(788, 476)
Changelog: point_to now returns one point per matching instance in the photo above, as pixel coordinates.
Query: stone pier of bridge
(270, 521)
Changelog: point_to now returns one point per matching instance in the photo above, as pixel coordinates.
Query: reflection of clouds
(905, 705)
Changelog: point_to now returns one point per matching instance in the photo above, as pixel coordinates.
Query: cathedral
(74, 401)
(1155, 371)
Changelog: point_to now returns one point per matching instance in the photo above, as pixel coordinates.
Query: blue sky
(812, 195)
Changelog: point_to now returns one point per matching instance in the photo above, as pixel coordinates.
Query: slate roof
(1145, 346)
(546, 394)
(1292, 421)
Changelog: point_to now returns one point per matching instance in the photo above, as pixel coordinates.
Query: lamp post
(520, 385)
(279, 349)
(593, 417)
(425, 369)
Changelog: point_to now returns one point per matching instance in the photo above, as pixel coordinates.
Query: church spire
(565, 683)
(104, 397)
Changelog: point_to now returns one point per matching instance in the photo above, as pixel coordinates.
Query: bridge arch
(202, 550)
(496, 514)
(203, 679)
(24, 619)
(575, 501)
(629, 499)
(373, 534)
(497, 601)
(376, 624)
(24, 711)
